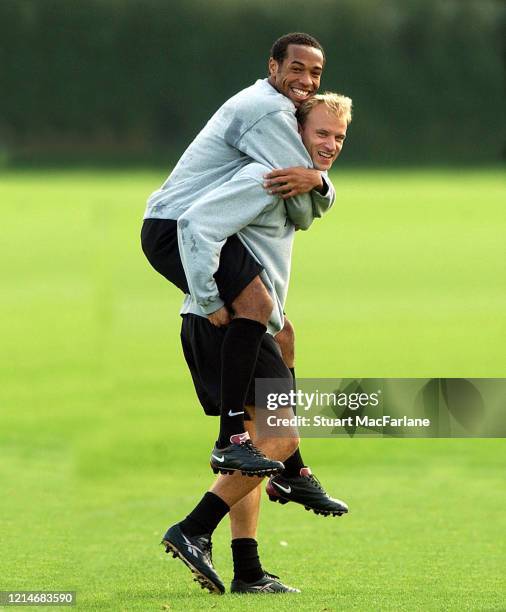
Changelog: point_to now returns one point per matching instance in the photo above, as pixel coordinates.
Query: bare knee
(286, 340)
(277, 448)
(290, 446)
(254, 302)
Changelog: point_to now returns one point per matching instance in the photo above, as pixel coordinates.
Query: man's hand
(220, 317)
(289, 182)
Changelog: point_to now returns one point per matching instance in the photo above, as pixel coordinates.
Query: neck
(271, 82)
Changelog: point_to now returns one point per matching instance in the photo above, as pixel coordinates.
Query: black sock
(206, 515)
(293, 465)
(239, 354)
(246, 561)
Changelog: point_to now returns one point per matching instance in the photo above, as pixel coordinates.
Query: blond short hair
(336, 103)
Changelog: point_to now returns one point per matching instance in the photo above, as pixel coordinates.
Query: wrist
(320, 186)
(211, 305)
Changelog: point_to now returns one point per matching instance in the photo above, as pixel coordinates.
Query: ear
(273, 67)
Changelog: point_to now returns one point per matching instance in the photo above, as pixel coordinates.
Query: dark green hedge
(141, 77)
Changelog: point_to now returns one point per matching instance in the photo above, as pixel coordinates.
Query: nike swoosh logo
(231, 414)
(220, 459)
(287, 489)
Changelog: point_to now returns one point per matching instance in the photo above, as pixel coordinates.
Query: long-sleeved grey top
(257, 124)
(262, 226)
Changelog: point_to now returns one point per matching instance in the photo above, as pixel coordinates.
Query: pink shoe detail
(270, 490)
(305, 471)
(239, 438)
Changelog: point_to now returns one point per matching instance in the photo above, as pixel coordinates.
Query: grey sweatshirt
(257, 124)
(262, 226)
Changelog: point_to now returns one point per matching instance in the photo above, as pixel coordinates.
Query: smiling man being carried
(256, 125)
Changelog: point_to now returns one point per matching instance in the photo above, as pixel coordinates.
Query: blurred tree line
(139, 78)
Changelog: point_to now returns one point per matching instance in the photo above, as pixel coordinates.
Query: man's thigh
(202, 344)
(159, 243)
(236, 270)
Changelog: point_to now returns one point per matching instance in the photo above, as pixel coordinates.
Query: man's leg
(244, 515)
(241, 343)
(241, 289)
(190, 540)
(249, 576)
(234, 487)
(243, 527)
(296, 482)
(286, 340)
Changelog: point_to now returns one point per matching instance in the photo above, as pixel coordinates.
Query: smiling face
(298, 75)
(323, 135)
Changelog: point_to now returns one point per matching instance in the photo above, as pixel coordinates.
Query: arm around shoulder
(274, 141)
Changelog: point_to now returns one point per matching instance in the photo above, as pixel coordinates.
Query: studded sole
(204, 581)
(259, 473)
(281, 500)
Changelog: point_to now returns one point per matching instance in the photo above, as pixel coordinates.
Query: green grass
(103, 444)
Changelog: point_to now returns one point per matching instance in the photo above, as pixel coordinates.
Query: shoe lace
(206, 546)
(251, 448)
(269, 575)
(316, 483)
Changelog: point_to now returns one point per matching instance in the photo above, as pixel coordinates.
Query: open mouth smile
(301, 94)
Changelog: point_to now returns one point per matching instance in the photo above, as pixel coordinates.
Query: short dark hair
(278, 50)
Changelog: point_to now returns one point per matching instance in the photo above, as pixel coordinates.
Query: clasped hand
(290, 182)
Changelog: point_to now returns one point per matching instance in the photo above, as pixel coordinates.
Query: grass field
(103, 444)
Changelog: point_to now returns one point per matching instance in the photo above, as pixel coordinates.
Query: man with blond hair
(259, 219)
(256, 125)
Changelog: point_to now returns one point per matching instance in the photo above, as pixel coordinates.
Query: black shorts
(236, 270)
(202, 350)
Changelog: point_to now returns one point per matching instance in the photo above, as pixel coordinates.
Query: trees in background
(141, 77)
